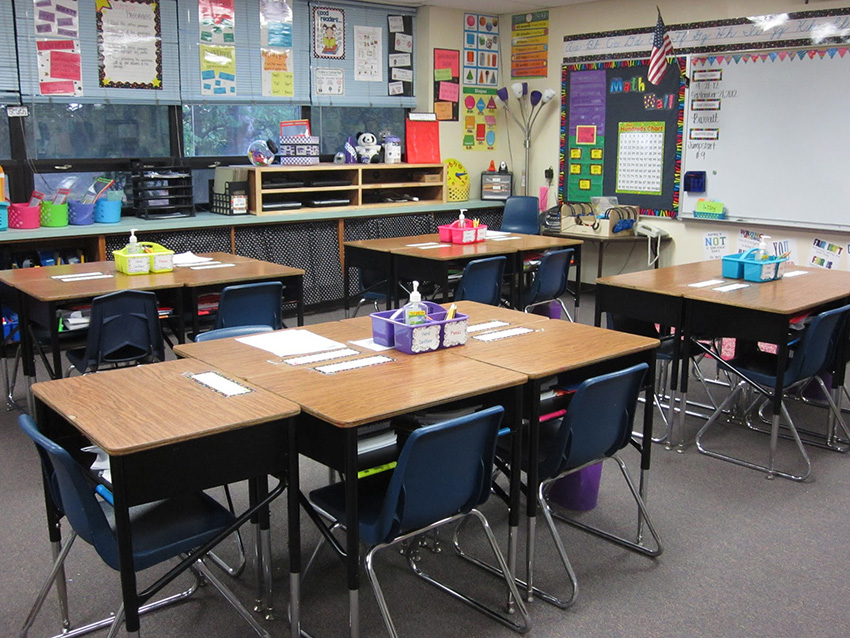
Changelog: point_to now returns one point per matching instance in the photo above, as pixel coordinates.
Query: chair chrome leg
(231, 598)
(57, 570)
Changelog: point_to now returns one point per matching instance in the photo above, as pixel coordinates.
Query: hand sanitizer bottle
(415, 312)
(133, 247)
(461, 219)
(762, 251)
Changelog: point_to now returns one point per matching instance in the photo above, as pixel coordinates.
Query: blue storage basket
(4, 215)
(107, 211)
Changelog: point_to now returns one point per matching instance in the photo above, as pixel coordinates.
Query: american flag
(662, 48)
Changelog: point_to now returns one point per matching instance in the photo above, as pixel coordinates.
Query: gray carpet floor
(743, 556)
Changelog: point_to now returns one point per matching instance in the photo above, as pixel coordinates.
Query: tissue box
(427, 337)
(299, 150)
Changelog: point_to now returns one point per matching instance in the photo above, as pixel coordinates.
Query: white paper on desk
(796, 273)
(731, 287)
(489, 325)
(706, 283)
(420, 245)
(503, 334)
(79, 275)
(370, 344)
(433, 246)
(502, 238)
(288, 343)
(223, 385)
(216, 265)
(492, 234)
(189, 259)
(89, 277)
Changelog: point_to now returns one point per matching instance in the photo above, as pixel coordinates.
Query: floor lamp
(530, 106)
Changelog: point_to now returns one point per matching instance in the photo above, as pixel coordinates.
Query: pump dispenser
(461, 219)
(762, 250)
(415, 312)
(133, 247)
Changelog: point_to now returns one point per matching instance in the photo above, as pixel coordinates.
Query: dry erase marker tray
(159, 259)
(468, 234)
(389, 329)
(748, 267)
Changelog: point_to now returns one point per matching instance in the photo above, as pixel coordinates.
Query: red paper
(64, 65)
(423, 142)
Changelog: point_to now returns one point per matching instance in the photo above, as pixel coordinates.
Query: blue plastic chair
(161, 530)
(806, 362)
(124, 330)
(373, 288)
(233, 331)
(482, 281)
(597, 424)
(443, 473)
(257, 304)
(521, 215)
(550, 281)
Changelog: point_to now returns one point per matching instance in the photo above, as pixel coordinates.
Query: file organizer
(160, 260)
(468, 234)
(427, 337)
(748, 267)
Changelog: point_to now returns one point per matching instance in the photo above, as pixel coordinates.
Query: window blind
(8, 59)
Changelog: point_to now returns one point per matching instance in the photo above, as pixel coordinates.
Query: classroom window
(228, 129)
(333, 124)
(90, 131)
(5, 146)
(79, 182)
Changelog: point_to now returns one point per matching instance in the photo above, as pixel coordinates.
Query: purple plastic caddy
(427, 337)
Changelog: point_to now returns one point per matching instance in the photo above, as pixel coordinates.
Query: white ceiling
(493, 7)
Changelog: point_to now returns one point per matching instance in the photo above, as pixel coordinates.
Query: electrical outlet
(549, 173)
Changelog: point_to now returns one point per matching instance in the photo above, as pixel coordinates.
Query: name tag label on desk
(731, 287)
(501, 238)
(354, 364)
(221, 385)
(796, 273)
(428, 247)
(81, 277)
(490, 325)
(706, 283)
(205, 266)
(422, 244)
(503, 334)
(322, 356)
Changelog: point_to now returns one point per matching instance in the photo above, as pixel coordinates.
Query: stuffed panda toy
(368, 149)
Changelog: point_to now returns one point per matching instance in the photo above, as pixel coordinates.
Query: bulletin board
(622, 136)
(770, 130)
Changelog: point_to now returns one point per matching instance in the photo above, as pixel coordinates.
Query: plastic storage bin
(427, 337)
(578, 491)
(468, 234)
(80, 214)
(160, 259)
(107, 211)
(746, 266)
(4, 215)
(24, 216)
(54, 215)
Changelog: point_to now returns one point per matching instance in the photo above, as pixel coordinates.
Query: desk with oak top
(334, 406)
(411, 258)
(166, 434)
(757, 312)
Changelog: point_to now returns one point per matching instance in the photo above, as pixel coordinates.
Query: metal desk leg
(294, 529)
(352, 531)
(533, 399)
(515, 487)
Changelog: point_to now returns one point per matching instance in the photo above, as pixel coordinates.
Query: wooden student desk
(166, 434)
(759, 312)
(573, 352)
(335, 405)
(40, 293)
(400, 258)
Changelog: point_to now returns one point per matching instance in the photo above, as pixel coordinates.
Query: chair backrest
(816, 348)
(78, 501)
(482, 281)
(443, 469)
(521, 215)
(235, 331)
(550, 281)
(598, 421)
(257, 304)
(124, 327)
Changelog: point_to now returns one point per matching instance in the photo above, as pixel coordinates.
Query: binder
(422, 140)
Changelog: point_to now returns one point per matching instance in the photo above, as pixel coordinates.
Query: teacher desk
(200, 439)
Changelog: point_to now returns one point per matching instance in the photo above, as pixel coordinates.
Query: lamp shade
(519, 88)
(503, 94)
(548, 94)
(535, 97)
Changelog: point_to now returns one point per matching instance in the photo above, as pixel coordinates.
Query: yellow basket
(155, 258)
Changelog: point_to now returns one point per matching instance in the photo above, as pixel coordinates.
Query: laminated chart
(480, 50)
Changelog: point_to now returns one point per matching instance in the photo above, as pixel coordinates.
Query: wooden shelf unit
(360, 184)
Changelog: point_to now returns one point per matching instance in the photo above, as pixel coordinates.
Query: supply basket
(159, 259)
(467, 234)
(748, 267)
(389, 329)
(54, 215)
(24, 216)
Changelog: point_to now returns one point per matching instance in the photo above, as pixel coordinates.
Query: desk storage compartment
(160, 259)
(427, 337)
(747, 267)
(468, 234)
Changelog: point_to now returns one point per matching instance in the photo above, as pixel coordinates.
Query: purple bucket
(80, 214)
(578, 491)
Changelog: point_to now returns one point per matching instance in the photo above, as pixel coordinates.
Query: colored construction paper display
(446, 83)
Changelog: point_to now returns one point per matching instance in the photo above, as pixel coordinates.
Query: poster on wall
(824, 254)
(621, 136)
(715, 245)
(56, 18)
(400, 55)
(368, 43)
(329, 33)
(216, 21)
(479, 119)
(59, 67)
(218, 69)
(530, 45)
(329, 81)
(446, 84)
(275, 24)
(480, 50)
(129, 44)
(278, 79)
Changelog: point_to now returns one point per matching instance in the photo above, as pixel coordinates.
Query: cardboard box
(604, 227)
